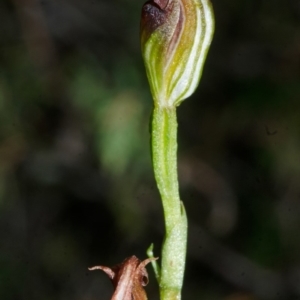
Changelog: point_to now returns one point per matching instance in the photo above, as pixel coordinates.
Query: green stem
(164, 156)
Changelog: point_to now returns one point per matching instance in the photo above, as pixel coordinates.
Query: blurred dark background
(76, 183)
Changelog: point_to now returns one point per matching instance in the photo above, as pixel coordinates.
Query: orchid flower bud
(175, 38)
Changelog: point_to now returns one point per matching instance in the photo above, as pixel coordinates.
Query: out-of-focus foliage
(76, 184)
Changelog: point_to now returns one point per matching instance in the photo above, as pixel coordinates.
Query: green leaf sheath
(164, 155)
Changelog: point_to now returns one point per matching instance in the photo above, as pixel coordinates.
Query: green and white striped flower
(175, 38)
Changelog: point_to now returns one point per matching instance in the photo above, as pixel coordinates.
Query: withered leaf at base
(128, 278)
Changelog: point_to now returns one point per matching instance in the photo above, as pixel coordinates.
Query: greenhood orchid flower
(175, 37)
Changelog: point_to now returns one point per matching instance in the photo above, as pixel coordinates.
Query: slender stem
(164, 156)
